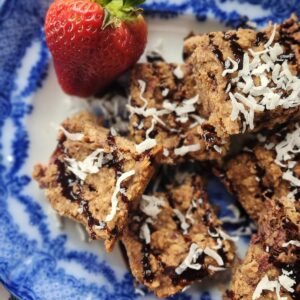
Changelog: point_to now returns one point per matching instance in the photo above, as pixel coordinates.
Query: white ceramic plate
(40, 257)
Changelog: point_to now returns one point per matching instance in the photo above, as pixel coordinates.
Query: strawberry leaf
(132, 3)
(122, 9)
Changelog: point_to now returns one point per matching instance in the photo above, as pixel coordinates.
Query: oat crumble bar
(165, 110)
(175, 239)
(93, 177)
(247, 80)
(271, 268)
(258, 278)
(270, 169)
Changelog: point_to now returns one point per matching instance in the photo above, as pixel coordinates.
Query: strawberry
(94, 41)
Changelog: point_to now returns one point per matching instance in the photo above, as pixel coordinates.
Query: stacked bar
(174, 238)
(247, 80)
(93, 177)
(166, 111)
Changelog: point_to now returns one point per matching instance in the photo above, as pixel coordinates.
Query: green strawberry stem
(120, 9)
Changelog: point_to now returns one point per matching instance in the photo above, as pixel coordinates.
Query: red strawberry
(94, 41)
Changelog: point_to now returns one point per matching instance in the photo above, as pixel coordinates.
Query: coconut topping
(226, 236)
(288, 175)
(72, 136)
(198, 120)
(217, 148)
(190, 260)
(213, 254)
(148, 143)
(286, 281)
(114, 199)
(145, 233)
(286, 152)
(264, 83)
(165, 92)
(183, 109)
(151, 205)
(144, 111)
(188, 216)
(289, 147)
(265, 285)
(166, 152)
(183, 150)
(291, 242)
(178, 72)
(184, 112)
(145, 145)
(283, 281)
(216, 269)
(236, 218)
(189, 212)
(219, 244)
(90, 165)
(183, 224)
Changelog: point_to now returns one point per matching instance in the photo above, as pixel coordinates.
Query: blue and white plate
(41, 256)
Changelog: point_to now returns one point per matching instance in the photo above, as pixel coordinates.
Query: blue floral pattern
(29, 268)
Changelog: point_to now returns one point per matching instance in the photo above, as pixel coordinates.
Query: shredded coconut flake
(269, 146)
(182, 110)
(275, 285)
(100, 226)
(286, 152)
(190, 260)
(80, 210)
(219, 244)
(139, 291)
(189, 212)
(275, 87)
(198, 120)
(226, 236)
(183, 113)
(288, 175)
(265, 285)
(183, 150)
(236, 219)
(291, 242)
(72, 136)
(289, 147)
(212, 234)
(216, 269)
(187, 106)
(144, 110)
(178, 72)
(218, 149)
(145, 145)
(166, 152)
(90, 165)
(148, 143)
(183, 224)
(287, 282)
(113, 131)
(213, 254)
(151, 205)
(145, 233)
(271, 39)
(234, 68)
(165, 92)
(114, 198)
